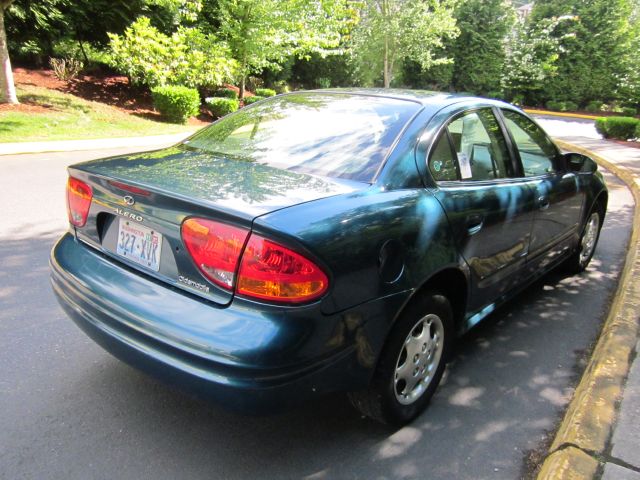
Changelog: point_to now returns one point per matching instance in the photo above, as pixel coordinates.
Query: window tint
(441, 162)
(480, 147)
(535, 148)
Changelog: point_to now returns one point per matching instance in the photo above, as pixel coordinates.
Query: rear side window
(536, 150)
(442, 164)
(477, 152)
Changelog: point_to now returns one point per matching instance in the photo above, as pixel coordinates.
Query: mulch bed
(113, 90)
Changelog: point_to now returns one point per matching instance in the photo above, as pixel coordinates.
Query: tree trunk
(243, 82)
(7, 88)
(84, 54)
(386, 73)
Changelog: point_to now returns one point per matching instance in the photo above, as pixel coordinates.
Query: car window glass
(535, 149)
(331, 135)
(480, 147)
(442, 165)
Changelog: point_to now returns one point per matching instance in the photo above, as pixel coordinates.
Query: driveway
(68, 410)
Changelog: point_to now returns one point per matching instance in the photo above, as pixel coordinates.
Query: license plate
(139, 244)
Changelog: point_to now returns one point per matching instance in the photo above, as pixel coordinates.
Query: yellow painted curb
(569, 463)
(589, 419)
(561, 114)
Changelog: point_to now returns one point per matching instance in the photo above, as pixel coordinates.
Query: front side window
(480, 149)
(536, 150)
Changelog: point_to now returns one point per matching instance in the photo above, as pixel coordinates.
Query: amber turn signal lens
(272, 272)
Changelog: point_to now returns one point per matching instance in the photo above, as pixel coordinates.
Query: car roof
(427, 98)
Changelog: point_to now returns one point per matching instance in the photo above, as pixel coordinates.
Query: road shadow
(72, 411)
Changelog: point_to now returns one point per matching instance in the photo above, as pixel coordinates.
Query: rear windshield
(332, 135)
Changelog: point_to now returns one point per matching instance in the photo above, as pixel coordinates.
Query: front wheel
(412, 362)
(580, 259)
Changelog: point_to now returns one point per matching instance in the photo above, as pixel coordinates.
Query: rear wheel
(580, 259)
(411, 364)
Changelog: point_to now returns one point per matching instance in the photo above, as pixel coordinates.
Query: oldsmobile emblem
(129, 200)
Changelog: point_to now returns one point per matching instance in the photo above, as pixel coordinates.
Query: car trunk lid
(144, 199)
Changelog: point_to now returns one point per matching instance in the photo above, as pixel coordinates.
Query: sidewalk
(599, 436)
(91, 144)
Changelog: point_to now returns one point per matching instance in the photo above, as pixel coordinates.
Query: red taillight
(215, 247)
(79, 196)
(272, 272)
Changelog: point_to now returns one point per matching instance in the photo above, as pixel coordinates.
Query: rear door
(559, 199)
(489, 208)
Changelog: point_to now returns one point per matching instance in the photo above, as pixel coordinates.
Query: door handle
(474, 223)
(543, 203)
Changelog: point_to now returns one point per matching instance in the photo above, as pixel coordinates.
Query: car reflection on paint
(321, 241)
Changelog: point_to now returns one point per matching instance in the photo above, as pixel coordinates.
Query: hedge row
(624, 128)
(220, 107)
(265, 92)
(567, 106)
(254, 99)
(176, 103)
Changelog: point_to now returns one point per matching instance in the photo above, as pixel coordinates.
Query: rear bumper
(247, 356)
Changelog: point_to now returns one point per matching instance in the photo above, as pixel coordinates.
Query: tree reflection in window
(333, 135)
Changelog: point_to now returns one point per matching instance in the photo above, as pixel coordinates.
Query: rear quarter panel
(357, 236)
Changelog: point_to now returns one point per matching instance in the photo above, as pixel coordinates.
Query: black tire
(388, 399)
(579, 259)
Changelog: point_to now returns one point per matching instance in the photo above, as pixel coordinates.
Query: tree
(629, 81)
(592, 54)
(34, 27)
(7, 87)
(263, 33)
(531, 58)
(391, 31)
(479, 51)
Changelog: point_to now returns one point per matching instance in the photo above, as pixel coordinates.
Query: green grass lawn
(73, 118)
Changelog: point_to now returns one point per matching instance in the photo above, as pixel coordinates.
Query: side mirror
(576, 162)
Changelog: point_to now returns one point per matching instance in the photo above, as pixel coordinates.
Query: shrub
(265, 92)
(570, 106)
(220, 107)
(323, 82)
(594, 106)
(66, 68)
(629, 111)
(555, 106)
(189, 57)
(254, 99)
(176, 103)
(226, 93)
(281, 86)
(622, 127)
(637, 134)
(601, 127)
(254, 82)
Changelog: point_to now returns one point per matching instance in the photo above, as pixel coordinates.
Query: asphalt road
(68, 410)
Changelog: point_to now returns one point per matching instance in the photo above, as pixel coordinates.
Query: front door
(558, 196)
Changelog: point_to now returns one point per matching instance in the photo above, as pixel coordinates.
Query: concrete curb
(91, 144)
(581, 440)
(560, 114)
